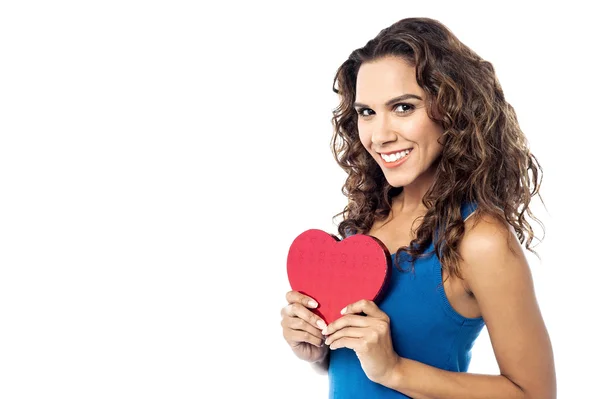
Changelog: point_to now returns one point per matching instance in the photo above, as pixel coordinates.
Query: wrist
(321, 365)
(324, 358)
(393, 378)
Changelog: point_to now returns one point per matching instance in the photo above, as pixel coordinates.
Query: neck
(410, 199)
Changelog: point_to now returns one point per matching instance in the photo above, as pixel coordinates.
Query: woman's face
(393, 121)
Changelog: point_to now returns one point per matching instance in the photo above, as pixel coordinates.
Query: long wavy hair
(485, 157)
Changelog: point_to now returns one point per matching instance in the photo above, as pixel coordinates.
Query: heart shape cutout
(336, 272)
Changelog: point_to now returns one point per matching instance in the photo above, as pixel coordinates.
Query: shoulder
(490, 247)
(484, 233)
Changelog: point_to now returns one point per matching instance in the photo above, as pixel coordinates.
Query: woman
(439, 171)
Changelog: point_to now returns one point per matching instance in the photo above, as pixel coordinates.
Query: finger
(351, 332)
(350, 320)
(296, 323)
(295, 337)
(296, 297)
(298, 310)
(346, 342)
(367, 307)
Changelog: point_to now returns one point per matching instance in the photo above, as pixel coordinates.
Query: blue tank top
(424, 327)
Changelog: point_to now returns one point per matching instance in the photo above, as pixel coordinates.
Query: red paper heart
(337, 273)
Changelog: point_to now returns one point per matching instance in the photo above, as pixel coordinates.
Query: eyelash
(361, 110)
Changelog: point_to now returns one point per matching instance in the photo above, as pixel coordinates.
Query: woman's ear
(433, 110)
(443, 138)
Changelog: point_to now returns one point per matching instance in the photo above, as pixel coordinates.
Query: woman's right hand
(302, 329)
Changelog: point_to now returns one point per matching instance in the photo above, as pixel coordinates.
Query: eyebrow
(392, 101)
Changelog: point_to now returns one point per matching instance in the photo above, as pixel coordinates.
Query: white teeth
(396, 156)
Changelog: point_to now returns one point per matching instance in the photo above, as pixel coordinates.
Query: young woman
(440, 172)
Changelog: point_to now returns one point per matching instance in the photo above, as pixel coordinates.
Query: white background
(158, 158)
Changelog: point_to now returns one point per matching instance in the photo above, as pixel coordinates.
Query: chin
(398, 182)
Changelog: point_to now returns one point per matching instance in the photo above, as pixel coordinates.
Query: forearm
(421, 381)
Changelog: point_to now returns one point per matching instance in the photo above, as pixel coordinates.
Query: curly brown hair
(485, 158)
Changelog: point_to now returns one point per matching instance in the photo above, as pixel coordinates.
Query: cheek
(428, 134)
(435, 148)
(364, 139)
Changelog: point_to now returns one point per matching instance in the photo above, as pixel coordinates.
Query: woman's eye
(361, 112)
(400, 108)
(408, 108)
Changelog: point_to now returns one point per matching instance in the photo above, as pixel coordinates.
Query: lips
(397, 162)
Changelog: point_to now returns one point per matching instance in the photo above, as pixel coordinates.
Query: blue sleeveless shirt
(423, 326)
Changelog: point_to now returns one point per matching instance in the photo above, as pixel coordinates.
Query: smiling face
(393, 124)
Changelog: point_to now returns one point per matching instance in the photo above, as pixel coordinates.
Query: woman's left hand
(369, 336)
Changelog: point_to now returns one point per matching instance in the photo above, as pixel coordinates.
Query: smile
(396, 159)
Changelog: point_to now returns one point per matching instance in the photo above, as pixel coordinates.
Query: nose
(382, 132)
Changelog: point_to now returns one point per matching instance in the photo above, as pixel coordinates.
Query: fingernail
(312, 303)
(324, 331)
(344, 310)
(321, 324)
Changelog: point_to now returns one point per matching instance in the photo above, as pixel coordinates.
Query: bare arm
(496, 270)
